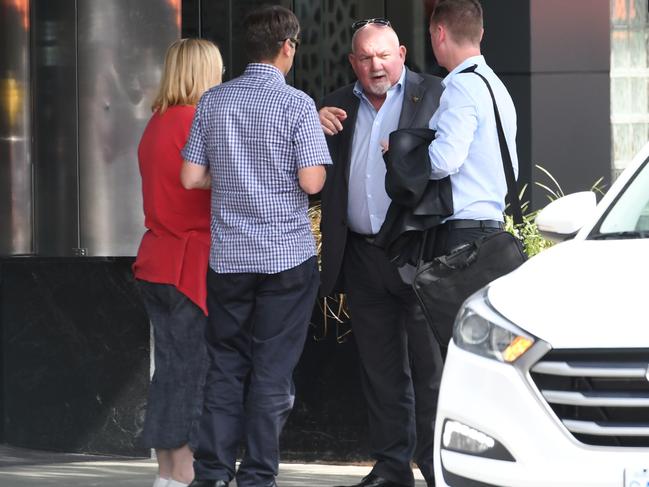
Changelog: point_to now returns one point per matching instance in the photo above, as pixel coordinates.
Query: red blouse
(176, 246)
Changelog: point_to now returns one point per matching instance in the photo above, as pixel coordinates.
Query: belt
(367, 238)
(467, 224)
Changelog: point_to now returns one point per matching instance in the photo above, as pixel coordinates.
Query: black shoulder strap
(508, 166)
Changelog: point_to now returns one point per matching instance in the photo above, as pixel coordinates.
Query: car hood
(581, 294)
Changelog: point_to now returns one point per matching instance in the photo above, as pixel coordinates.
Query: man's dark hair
(266, 28)
(462, 18)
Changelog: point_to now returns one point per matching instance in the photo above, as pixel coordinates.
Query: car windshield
(628, 215)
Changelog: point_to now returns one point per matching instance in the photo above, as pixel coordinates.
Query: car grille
(601, 396)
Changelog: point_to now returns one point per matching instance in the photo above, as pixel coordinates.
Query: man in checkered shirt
(258, 143)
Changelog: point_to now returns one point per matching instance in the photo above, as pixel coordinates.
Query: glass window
(628, 216)
(629, 79)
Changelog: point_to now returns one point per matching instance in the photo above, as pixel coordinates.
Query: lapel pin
(415, 99)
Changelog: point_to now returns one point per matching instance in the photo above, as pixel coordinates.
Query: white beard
(379, 88)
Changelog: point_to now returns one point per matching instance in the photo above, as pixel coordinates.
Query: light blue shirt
(368, 202)
(466, 144)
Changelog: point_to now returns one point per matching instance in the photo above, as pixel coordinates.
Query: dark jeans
(256, 331)
(400, 359)
(176, 392)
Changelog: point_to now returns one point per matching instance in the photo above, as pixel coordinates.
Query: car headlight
(480, 329)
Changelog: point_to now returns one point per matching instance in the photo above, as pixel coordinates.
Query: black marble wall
(75, 343)
(329, 418)
(75, 349)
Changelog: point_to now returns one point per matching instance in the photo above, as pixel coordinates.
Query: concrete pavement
(29, 468)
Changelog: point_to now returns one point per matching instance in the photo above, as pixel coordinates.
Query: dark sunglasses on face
(362, 23)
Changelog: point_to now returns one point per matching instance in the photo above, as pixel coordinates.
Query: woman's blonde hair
(191, 67)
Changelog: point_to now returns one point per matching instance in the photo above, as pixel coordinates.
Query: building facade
(76, 82)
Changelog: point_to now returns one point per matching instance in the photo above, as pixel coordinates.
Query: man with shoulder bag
(474, 144)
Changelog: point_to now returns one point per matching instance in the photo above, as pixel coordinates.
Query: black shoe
(271, 484)
(208, 483)
(375, 481)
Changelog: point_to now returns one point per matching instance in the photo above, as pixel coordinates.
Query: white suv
(546, 382)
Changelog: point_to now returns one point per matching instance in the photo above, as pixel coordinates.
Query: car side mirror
(565, 216)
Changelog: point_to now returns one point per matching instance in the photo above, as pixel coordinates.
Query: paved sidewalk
(29, 468)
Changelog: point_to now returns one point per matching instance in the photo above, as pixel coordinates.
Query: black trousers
(400, 359)
(256, 330)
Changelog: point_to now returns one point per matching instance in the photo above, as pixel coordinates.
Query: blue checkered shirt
(254, 133)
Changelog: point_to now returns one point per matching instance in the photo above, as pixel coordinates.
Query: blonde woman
(171, 265)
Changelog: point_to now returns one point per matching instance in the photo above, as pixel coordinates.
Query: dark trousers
(400, 359)
(256, 330)
(176, 391)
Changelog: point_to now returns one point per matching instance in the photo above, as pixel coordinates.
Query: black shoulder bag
(443, 284)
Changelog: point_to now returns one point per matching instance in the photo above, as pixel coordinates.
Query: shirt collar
(479, 60)
(358, 88)
(265, 70)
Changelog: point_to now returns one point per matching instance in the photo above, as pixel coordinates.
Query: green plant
(528, 232)
(553, 194)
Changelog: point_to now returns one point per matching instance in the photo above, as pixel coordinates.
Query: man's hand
(331, 119)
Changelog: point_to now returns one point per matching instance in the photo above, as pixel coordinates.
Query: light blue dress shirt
(466, 145)
(367, 201)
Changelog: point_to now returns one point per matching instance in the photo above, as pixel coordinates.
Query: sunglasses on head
(362, 23)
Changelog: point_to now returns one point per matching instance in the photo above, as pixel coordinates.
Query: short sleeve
(195, 150)
(308, 138)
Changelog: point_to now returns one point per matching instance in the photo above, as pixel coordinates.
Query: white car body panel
(580, 294)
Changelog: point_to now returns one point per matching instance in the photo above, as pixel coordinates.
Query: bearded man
(400, 360)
